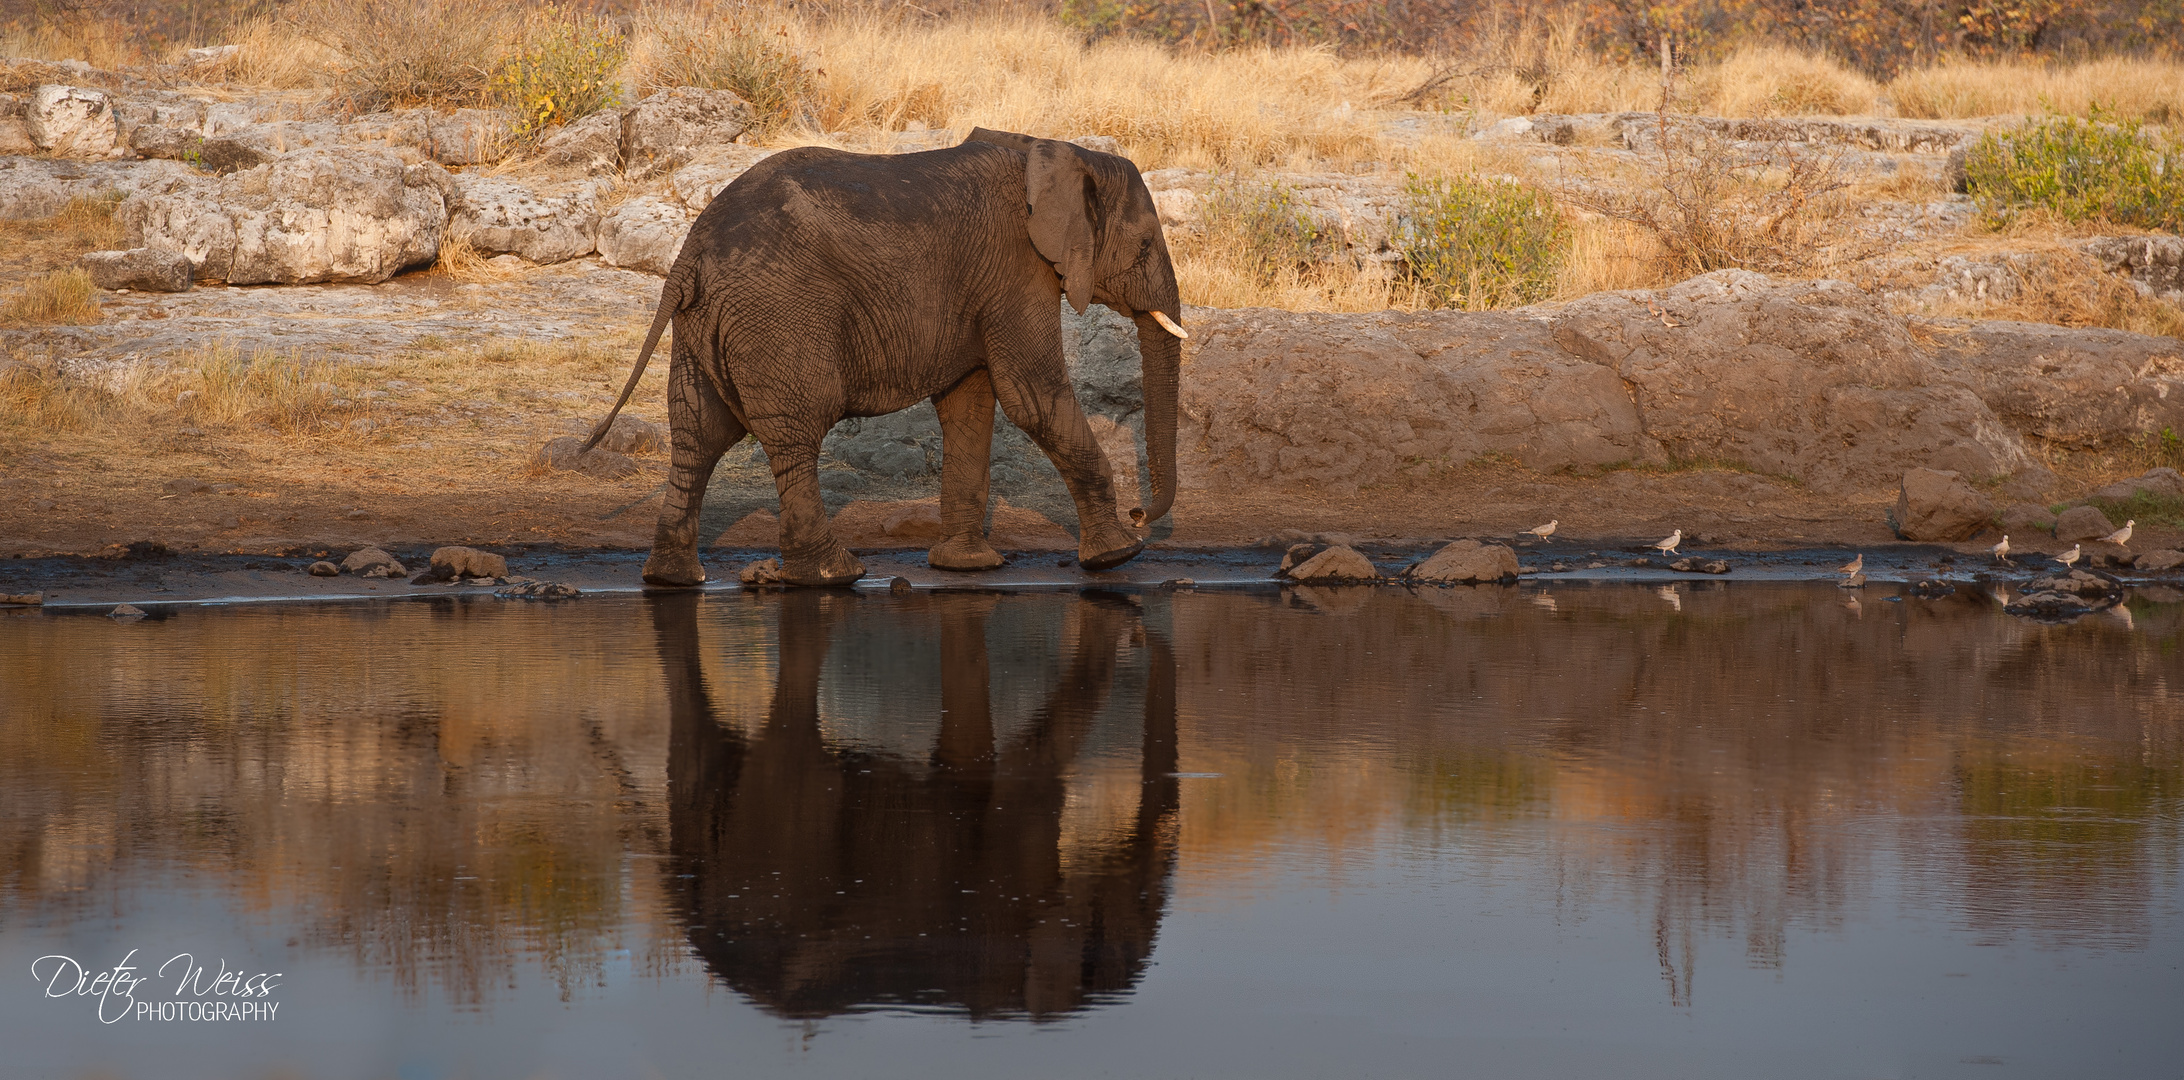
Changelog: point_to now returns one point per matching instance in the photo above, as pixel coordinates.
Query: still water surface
(1605, 830)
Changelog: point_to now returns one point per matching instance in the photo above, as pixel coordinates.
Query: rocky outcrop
(646, 233)
(677, 125)
(310, 216)
(591, 145)
(2081, 387)
(1641, 130)
(72, 122)
(696, 184)
(2163, 483)
(552, 225)
(2154, 263)
(33, 188)
(144, 269)
(1936, 506)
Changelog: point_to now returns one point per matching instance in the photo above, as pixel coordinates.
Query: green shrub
(2080, 170)
(760, 66)
(1475, 242)
(563, 70)
(1267, 226)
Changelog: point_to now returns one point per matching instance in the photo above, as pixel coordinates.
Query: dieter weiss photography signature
(201, 993)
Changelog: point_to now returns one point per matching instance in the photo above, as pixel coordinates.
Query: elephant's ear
(1062, 195)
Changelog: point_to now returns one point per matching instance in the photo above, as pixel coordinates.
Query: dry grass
(411, 52)
(1223, 271)
(2149, 90)
(2067, 287)
(1607, 255)
(1783, 82)
(271, 54)
(462, 262)
(60, 298)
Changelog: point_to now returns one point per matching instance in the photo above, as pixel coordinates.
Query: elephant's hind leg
(701, 428)
(966, 452)
(810, 555)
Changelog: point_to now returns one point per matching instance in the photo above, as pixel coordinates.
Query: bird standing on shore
(2002, 550)
(2070, 557)
(1545, 531)
(1668, 546)
(2121, 537)
(1851, 568)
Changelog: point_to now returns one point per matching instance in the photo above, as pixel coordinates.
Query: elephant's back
(814, 192)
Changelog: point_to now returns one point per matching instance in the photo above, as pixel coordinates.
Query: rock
(467, 136)
(899, 586)
(2025, 519)
(1938, 506)
(497, 214)
(236, 151)
(539, 590)
(2162, 483)
(455, 561)
(144, 269)
(697, 183)
(762, 572)
(33, 188)
(567, 454)
(1466, 560)
(2077, 386)
(72, 122)
(918, 522)
(592, 144)
(1695, 565)
(2152, 561)
(1335, 565)
(2078, 582)
(676, 125)
(210, 54)
(310, 216)
(2081, 523)
(28, 599)
(634, 435)
(646, 233)
(364, 560)
(2156, 262)
(14, 128)
(2051, 606)
(322, 568)
(1296, 556)
(126, 612)
(759, 528)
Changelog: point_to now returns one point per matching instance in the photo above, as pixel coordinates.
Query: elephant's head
(1092, 217)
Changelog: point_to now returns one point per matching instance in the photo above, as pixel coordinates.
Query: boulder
(676, 125)
(762, 572)
(322, 568)
(15, 127)
(1466, 561)
(2154, 561)
(918, 522)
(497, 214)
(567, 454)
(455, 561)
(2082, 523)
(33, 188)
(633, 435)
(310, 216)
(2163, 483)
(2156, 262)
(365, 559)
(2078, 582)
(2024, 519)
(539, 590)
(1935, 505)
(646, 233)
(759, 528)
(466, 136)
(696, 184)
(145, 269)
(1334, 565)
(591, 145)
(72, 122)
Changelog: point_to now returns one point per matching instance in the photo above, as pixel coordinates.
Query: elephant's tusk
(1169, 325)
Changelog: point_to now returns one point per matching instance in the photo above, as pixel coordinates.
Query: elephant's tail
(671, 301)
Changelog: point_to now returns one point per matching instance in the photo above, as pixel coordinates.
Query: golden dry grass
(2151, 90)
(60, 298)
(2066, 287)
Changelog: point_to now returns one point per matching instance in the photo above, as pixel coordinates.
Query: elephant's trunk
(1162, 356)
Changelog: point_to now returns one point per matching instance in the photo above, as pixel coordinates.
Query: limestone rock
(567, 454)
(322, 568)
(32, 188)
(2156, 262)
(497, 214)
(1466, 561)
(236, 151)
(2163, 483)
(467, 136)
(633, 435)
(363, 560)
(1938, 506)
(455, 561)
(144, 269)
(2081, 523)
(2154, 561)
(1335, 565)
(310, 216)
(592, 144)
(646, 233)
(762, 572)
(676, 125)
(72, 122)
(696, 184)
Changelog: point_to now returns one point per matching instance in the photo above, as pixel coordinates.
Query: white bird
(1851, 568)
(2069, 557)
(1668, 546)
(2002, 550)
(1545, 531)
(2120, 536)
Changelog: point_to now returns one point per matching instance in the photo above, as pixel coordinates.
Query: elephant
(823, 284)
(818, 875)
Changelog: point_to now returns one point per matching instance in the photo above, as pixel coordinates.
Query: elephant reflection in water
(816, 878)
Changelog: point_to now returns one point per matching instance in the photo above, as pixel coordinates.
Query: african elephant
(823, 284)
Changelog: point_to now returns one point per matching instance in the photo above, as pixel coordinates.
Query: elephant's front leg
(809, 553)
(1041, 402)
(966, 453)
(701, 428)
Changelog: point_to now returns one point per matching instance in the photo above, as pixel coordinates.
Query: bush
(1476, 242)
(411, 52)
(1265, 224)
(2080, 170)
(760, 65)
(564, 69)
(63, 297)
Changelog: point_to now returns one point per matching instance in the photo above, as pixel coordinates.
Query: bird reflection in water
(818, 877)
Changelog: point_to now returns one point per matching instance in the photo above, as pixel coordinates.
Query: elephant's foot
(1107, 548)
(963, 553)
(836, 567)
(675, 569)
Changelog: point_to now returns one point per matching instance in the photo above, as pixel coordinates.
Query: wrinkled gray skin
(823, 284)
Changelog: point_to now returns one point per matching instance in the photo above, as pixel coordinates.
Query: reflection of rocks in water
(817, 874)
